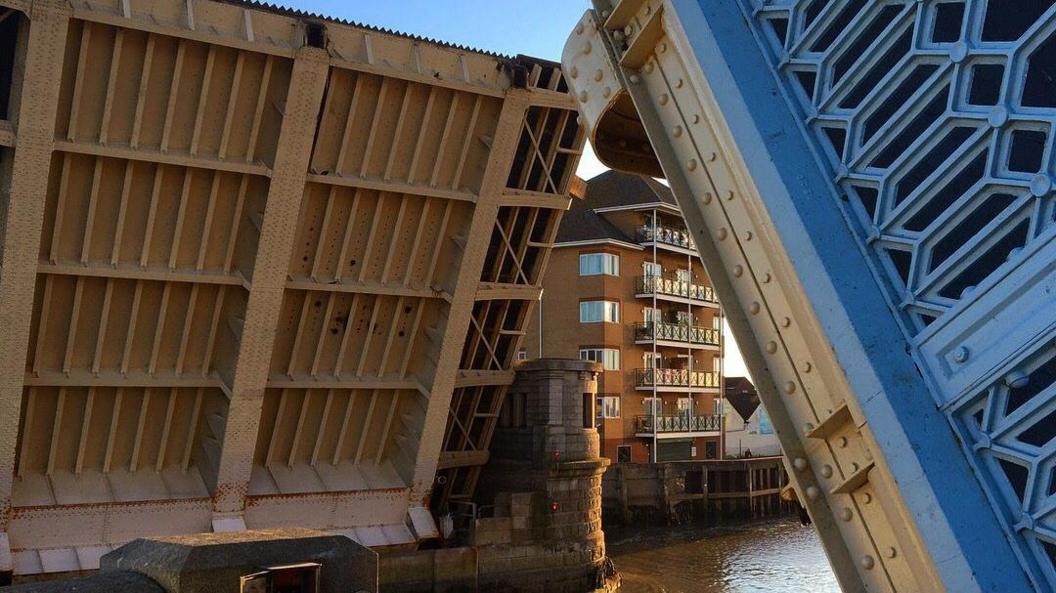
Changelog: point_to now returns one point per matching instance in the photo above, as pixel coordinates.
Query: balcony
(675, 380)
(676, 290)
(647, 425)
(673, 238)
(676, 334)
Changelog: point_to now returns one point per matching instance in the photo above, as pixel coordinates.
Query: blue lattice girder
(933, 121)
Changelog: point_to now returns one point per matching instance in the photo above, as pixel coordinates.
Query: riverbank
(773, 556)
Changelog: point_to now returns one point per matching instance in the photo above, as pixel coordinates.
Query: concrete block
(121, 581)
(213, 562)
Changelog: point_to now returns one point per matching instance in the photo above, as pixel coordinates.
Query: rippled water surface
(777, 557)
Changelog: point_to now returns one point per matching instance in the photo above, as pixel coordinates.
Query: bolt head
(961, 354)
(799, 463)
(959, 52)
(867, 562)
(1041, 185)
(826, 471)
(813, 493)
(1017, 379)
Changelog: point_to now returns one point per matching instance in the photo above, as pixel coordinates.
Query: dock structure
(254, 265)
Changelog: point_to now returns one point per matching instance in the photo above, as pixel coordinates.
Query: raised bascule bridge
(258, 269)
(870, 186)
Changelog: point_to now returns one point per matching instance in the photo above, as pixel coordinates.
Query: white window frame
(609, 311)
(652, 269)
(522, 354)
(599, 264)
(608, 357)
(607, 404)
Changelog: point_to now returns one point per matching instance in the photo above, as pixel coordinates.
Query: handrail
(675, 378)
(679, 237)
(676, 332)
(674, 287)
(648, 423)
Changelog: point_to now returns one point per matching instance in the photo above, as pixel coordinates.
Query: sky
(537, 28)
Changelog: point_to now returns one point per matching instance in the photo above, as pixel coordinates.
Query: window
(623, 454)
(522, 354)
(599, 311)
(594, 264)
(651, 315)
(652, 406)
(588, 410)
(610, 406)
(608, 357)
(651, 360)
(652, 269)
(685, 405)
(719, 408)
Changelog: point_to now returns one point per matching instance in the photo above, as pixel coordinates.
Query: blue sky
(537, 28)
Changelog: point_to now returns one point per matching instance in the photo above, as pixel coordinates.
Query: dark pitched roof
(613, 188)
(742, 396)
(581, 223)
(607, 190)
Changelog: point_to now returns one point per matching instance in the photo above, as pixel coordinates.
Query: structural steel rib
(869, 185)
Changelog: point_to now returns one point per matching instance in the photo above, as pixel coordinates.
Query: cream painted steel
(642, 89)
(241, 253)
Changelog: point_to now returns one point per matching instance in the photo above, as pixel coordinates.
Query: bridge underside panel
(871, 187)
(242, 256)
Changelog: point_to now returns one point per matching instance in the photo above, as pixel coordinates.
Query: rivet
(574, 72)
(713, 156)
(997, 117)
(628, 30)
(961, 355)
(648, 9)
(754, 308)
(747, 235)
(868, 563)
(1017, 379)
(618, 35)
(579, 29)
(692, 165)
(635, 79)
(786, 322)
(846, 514)
(729, 195)
(706, 198)
(867, 498)
(1040, 185)
(587, 47)
(813, 493)
(799, 463)
(808, 427)
(696, 119)
(959, 52)
(679, 83)
(807, 367)
(738, 271)
(854, 467)
(661, 48)
(583, 96)
(826, 471)
(790, 387)
(664, 99)
(891, 553)
(606, 92)
(598, 75)
(722, 234)
(771, 347)
(649, 68)
(605, 14)
(841, 442)
(677, 132)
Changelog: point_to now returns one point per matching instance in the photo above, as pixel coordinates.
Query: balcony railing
(678, 237)
(676, 332)
(674, 287)
(648, 424)
(675, 378)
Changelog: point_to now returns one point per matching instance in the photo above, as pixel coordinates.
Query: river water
(773, 557)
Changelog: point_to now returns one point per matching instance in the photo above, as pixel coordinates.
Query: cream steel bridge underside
(257, 268)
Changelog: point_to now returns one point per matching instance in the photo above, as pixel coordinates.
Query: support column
(304, 98)
(49, 20)
(503, 149)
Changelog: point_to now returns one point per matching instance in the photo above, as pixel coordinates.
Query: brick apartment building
(625, 287)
